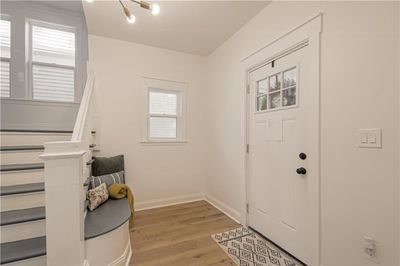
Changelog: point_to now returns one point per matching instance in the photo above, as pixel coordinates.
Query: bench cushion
(106, 218)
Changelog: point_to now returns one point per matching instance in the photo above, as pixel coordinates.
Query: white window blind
(162, 127)
(53, 64)
(163, 114)
(163, 103)
(5, 43)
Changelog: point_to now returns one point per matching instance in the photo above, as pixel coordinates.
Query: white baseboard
(228, 211)
(151, 204)
(157, 203)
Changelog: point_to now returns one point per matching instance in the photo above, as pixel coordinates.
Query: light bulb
(131, 19)
(155, 9)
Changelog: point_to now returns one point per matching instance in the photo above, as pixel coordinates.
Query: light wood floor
(179, 235)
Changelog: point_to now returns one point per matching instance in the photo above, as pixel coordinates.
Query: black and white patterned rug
(247, 248)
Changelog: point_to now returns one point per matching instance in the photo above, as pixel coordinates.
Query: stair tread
(23, 249)
(22, 216)
(22, 148)
(19, 189)
(19, 167)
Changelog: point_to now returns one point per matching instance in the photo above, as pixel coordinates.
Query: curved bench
(107, 234)
(107, 217)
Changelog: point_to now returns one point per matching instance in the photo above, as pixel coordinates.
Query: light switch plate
(370, 138)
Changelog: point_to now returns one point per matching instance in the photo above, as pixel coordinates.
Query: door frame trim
(305, 34)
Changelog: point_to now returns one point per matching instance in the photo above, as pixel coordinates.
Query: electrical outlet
(369, 248)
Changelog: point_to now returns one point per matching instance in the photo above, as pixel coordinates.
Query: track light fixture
(129, 16)
(154, 8)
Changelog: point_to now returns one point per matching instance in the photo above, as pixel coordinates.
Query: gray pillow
(118, 177)
(107, 165)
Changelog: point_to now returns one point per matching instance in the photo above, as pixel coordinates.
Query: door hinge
(248, 88)
(247, 208)
(248, 148)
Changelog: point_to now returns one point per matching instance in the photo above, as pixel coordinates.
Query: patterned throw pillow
(97, 196)
(109, 179)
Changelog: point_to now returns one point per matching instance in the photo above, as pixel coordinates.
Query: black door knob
(301, 171)
(303, 156)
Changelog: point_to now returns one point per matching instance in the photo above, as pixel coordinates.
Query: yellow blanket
(119, 191)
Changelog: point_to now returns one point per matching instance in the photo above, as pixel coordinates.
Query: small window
(5, 43)
(165, 110)
(163, 114)
(53, 63)
(277, 91)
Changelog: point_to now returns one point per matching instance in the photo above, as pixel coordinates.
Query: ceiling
(196, 27)
(69, 5)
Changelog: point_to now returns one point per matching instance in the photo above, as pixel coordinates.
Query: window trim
(30, 63)
(164, 86)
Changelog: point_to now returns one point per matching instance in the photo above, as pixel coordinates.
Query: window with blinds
(53, 64)
(5, 44)
(163, 114)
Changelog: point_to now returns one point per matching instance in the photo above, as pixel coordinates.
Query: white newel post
(64, 203)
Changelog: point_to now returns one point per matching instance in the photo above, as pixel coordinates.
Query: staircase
(23, 219)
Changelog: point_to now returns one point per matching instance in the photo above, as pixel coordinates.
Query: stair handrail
(81, 118)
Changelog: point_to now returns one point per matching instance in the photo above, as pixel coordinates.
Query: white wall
(158, 174)
(360, 87)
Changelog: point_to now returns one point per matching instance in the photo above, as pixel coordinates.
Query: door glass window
(289, 97)
(289, 78)
(274, 97)
(289, 87)
(274, 100)
(275, 82)
(277, 91)
(262, 88)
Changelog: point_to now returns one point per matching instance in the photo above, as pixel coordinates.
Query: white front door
(278, 172)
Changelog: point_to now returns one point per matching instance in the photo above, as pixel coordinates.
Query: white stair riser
(38, 261)
(19, 157)
(15, 232)
(15, 139)
(22, 177)
(22, 201)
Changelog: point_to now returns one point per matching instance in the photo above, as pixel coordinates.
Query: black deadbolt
(303, 156)
(301, 171)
